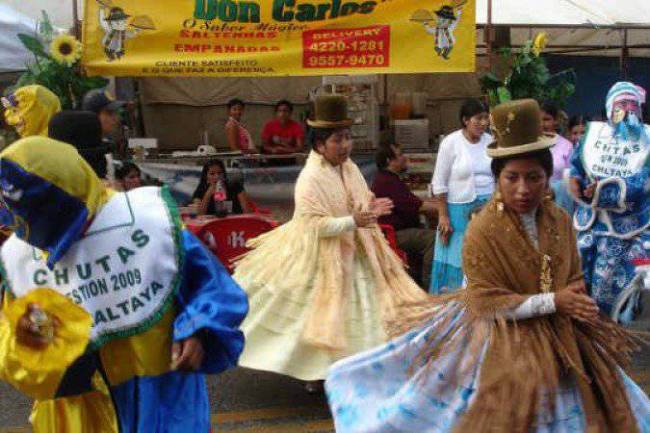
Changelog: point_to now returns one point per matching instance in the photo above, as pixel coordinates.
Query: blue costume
(144, 282)
(613, 225)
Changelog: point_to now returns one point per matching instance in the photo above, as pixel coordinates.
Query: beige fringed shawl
(528, 358)
(295, 255)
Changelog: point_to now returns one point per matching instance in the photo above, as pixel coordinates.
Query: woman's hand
(364, 218)
(444, 228)
(209, 192)
(381, 206)
(187, 355)
(574, 302)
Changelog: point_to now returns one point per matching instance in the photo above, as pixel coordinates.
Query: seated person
(405, 219)
(214, 183)
(283, 135)
(128, 177)
(239, 139)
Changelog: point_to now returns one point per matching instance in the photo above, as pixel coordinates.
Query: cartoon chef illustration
(117, 29)
(446, 21)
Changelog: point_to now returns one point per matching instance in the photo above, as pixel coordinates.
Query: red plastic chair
(226, 237)
(389, 233)
(258, 210)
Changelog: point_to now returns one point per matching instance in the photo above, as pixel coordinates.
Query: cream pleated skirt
(276, 319)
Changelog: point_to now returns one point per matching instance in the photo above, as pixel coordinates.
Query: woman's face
(549, 124)
(477, 124)
(523, 183)
(337, 148)
(132, 180)
(110, 121)
(236, 111)
(576, 133)
(214, 174)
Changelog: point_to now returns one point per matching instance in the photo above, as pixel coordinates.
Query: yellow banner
(277, 37)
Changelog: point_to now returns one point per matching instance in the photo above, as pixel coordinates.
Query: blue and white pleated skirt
(378, 392)
(446, 269)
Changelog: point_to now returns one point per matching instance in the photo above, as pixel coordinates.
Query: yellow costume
(30, 108)
(93, 246)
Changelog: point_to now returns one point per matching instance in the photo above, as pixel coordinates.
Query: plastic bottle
(219, 198)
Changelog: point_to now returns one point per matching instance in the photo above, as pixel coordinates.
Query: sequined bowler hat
(330, 111)
(517, 129)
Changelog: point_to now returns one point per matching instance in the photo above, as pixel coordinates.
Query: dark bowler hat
(117, 14)
(446, 12)
(330, 111)
(517, 129)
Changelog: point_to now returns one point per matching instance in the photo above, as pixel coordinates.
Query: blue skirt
(447, 270)
(379, 392)
(563, 197)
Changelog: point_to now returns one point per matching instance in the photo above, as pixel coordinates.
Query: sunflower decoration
(65, 49)
(539, 43)
(63, 326)
(55, 65)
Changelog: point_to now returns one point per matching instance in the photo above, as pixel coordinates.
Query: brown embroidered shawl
(527, 359)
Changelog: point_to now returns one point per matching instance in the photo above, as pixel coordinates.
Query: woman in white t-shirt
(462, 182)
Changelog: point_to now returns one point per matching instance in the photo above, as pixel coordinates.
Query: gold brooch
(498, 133)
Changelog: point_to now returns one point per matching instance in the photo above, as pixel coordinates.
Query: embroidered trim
(622, 194)
(535, 306)
(5, 280)
(176, 224)
(546, 277)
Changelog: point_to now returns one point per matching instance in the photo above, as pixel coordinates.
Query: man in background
(100, 102)
(415, 241)
(283, 135)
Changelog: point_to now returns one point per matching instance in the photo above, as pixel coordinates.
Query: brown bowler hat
(517, 129)
(330, 111)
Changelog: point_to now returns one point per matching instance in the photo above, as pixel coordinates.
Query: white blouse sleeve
(335, 226)
(444, 162)
(535, 306)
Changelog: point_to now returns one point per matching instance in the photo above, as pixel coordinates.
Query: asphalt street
(246, 401)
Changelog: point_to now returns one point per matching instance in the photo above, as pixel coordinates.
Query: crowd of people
(514, 333)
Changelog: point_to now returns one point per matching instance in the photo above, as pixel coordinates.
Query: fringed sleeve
(212, 306)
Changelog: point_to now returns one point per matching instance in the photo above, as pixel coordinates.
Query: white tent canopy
(59, 11)
(595, 26)
(512, 12)
(545, 13)
(13, 56)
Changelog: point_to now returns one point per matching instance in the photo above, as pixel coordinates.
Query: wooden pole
(75, 20)
(488, 34)
(624, 57)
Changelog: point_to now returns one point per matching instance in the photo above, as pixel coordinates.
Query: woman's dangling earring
(550, 194)
(499, 201)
